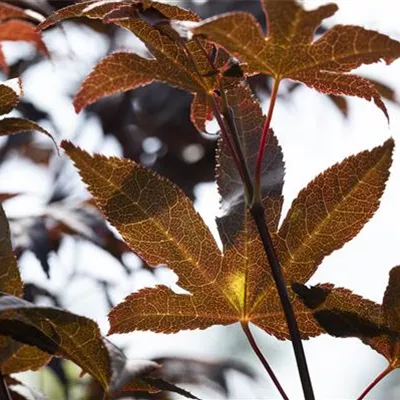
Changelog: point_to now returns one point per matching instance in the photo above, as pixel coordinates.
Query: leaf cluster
(212, 59)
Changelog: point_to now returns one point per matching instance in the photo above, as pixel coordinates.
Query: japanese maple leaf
(344, 314)
(31, 335)
(14, 27)
(159, 223)
(183, 65)
(288, 50)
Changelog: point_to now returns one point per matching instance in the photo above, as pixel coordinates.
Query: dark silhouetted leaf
(199, 372)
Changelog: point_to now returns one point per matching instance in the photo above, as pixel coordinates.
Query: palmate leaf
(56, 332)
(288, 51)
(344, 314)
(159, 223)
(63, 334)
(183, 65)
(30, 335)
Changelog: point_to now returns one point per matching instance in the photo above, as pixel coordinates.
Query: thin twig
(226, 137)
(263, 360)
(384, 373)
(257, 212)
(4, 392)
(230, 120)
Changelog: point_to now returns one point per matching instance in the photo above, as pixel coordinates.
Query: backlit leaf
(249, 120)
(331, 210)
(9, 98)
(56, 332)
(344, 314)
(14, 27)
(21, 30)
(18, 357)
(14, 356)
(185, 65)
(159, 223)
(10, 279)
(98, 9)
(115, 73)
(13, 126)
(289, 51)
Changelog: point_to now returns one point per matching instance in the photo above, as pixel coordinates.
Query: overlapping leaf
(288, 51)
(344, 314)
(56, 332)
(61, 333)
(30, 335)
(14, 356)
(10, 279)
(159, 223)
(10, 93)
(183, 65)
(14, 26)
(208, 373)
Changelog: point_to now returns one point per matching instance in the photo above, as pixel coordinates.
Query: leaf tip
(67, 146)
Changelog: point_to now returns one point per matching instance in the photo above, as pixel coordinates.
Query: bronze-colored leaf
(56, 332)
(18, 357)
(14, 356)
(98, 9)
(331, 210)
(9, 98)
(21, 30)
(185, 65)
(115, 73)
(13, 126)
(10, 278)
(344, 314)
(248, 123)
(159, 223)
(289, 51)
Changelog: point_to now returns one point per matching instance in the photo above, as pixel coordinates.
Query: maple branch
(263, 141)
(4, 392)
(384, 373)
(229, 117)
(263, 360)
(226, 137)
(235, 147)
(257, 212)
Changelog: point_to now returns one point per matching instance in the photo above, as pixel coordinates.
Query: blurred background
(71, 258)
